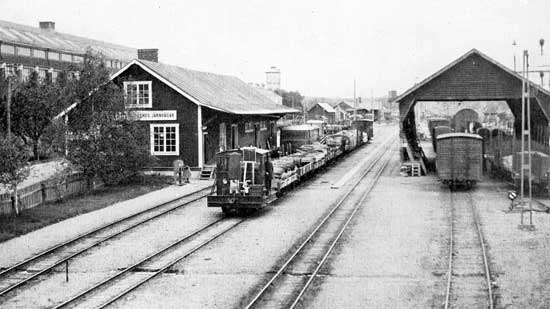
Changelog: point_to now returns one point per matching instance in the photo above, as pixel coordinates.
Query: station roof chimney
(47, 26)
(149, 54)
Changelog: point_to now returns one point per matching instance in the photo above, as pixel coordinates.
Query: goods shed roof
(36, 37)
(219, 92)
(472, 77)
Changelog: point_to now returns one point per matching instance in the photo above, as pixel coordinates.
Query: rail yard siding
(165, 98)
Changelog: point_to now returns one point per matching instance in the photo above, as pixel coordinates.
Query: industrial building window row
(24, 72)
(22, 51)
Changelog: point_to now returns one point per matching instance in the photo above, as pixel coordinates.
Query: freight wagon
(459, 160)
(241, 183)
(438, 131)
(292, 137)
(365, 128)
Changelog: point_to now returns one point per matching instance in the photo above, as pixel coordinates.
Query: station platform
(22, 247)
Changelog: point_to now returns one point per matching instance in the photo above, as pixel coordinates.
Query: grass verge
(40, 216)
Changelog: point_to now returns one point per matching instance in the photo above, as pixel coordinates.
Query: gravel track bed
(225, 273)
(392, 255)
(111, 256)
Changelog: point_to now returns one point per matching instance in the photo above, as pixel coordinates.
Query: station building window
(165, 139)
(39, 53)
(23, 51)
(138, 94)
(248, 127)
(7, 49)
(263, 125)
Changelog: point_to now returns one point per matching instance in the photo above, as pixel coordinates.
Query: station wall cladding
(212, 120)
(165, 98)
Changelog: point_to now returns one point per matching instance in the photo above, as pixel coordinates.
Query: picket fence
(46, 191)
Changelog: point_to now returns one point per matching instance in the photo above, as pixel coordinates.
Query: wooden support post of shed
(200, 137)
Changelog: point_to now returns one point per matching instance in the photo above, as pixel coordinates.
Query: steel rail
(483, 252)
(340, 233)
(149, 258)
(168, 265)
(450, 264)
(258, 295)
(485, 260)
(81, 237)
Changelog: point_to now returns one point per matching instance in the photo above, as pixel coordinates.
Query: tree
(14, 166)
(104, 142)
(291, 98)
(34, 104)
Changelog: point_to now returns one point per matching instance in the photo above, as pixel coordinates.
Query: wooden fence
(46, 191)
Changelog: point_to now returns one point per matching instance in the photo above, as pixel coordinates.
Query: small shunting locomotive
(241, 184)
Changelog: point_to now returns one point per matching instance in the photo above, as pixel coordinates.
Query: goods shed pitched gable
(219, 92)
(472, 77)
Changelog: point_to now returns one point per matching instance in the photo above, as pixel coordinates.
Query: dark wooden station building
(192, 115)
(473, 77)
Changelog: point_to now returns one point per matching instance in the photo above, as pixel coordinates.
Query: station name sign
(153, 115)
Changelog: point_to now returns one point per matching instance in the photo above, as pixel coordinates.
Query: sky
(320, 46)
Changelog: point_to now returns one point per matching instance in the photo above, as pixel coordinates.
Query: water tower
(273, 78)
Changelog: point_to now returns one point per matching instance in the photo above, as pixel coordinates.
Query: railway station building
(474, 77)
(192, 115)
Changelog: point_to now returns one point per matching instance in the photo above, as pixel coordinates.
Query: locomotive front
(240, 180)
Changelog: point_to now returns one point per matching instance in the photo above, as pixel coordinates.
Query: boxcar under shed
(459, 160)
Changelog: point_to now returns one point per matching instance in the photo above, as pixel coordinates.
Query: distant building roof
(36, 37)
(345, 105)
(270, 94)
(325, 106)
(220, 92)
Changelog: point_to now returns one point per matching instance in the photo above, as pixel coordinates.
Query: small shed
(320, 110)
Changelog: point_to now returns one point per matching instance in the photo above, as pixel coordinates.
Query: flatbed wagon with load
(247, 179)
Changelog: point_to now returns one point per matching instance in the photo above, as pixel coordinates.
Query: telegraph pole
(514, 44)
(354, 102)
(8, 108)
(8, 77)
(525, 167)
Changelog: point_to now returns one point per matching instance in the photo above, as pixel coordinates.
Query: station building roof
(224, 93)
(50, 39)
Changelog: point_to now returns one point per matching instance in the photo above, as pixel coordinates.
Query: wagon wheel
(226, 210)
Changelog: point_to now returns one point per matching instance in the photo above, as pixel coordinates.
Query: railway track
(289, 284)
(469, 282)
(129, 279)
(38, 265)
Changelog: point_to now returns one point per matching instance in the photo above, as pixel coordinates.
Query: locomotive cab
(240, 180)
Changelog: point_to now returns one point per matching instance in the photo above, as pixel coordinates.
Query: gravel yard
(393, 255)
(225, 273)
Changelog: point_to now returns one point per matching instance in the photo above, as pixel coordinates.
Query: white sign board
(154, 115)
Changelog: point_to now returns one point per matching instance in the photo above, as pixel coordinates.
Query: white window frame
(152, 126)
(248, 127)
(263, 125)
(138, 83)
